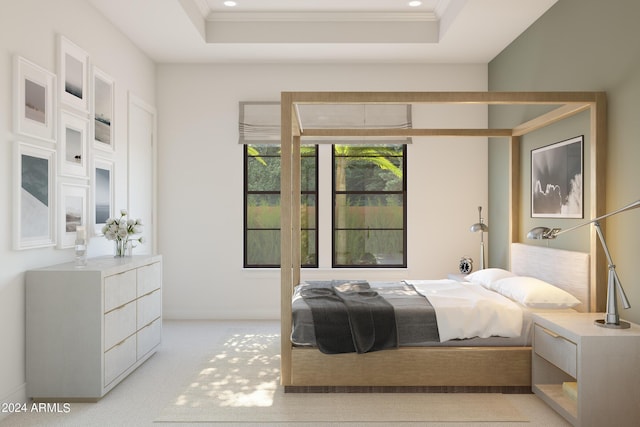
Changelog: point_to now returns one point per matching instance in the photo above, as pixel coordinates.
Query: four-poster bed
(430, 368)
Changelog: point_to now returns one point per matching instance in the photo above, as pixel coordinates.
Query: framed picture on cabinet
(33, 200)
(74, 131)
(73, 66)
(34, 99)
(73, 212)
(103, 110)
(557, 180)
(103, 194)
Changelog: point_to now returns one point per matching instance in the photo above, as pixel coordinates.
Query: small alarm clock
(466, 265)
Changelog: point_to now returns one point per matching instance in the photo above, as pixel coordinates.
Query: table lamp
(482, 228)
(612, 318)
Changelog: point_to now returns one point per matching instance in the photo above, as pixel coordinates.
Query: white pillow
(488, 276)
(532, 292)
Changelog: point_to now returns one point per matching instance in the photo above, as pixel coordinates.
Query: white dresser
(88, 328)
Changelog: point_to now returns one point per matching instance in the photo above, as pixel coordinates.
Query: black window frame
(247, 193)
(334, 193)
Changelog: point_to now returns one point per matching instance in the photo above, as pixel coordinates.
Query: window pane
(308, 211)
(308, 257)
(308, 174)
(369, 211)
(263, 168)
(263, 173)
(263, 247)
(263, 211)
(369, 247)
(359, 168)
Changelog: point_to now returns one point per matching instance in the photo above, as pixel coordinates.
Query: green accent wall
(578, 45)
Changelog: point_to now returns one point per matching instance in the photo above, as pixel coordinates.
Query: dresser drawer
(119, 289)
(149, 278)
(149, 308)
(149, 337)
(556, 349)
(119, 324)
(119, 359)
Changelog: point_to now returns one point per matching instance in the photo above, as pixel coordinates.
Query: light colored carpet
(240, 383)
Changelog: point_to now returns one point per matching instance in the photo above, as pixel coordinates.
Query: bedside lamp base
(620, 325)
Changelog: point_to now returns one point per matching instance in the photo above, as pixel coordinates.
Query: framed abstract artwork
(73, 69)
(34, 99)
(73, 150)
(103, 110)
(72, 203)
(103, 192)
(34, 195)
(557, 180)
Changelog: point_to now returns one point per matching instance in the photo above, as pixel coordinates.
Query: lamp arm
(630, 206)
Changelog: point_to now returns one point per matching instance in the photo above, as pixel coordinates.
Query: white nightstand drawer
(149, 308)
(119, 289)
(556, 349)
(119, 324)
(119, 359)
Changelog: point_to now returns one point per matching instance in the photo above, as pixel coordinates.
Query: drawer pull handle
(120, 343)
(120, 307)
(551, 333)
(149, 293)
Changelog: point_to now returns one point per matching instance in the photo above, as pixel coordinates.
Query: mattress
(410, 333)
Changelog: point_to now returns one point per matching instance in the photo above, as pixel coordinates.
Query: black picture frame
(557, 179)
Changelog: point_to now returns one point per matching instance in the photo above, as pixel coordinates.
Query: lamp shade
(479, 226)
(543, 233)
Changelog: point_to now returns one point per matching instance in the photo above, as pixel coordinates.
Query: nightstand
(604, 364)
(460, 277)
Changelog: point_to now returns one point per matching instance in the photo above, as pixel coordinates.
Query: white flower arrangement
(122, 231)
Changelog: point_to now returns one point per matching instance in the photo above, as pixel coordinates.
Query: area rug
(240, 383)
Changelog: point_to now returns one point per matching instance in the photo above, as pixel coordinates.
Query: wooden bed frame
(504, 369)
(431, 368)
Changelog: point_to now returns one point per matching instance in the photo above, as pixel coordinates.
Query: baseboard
(409, 389)
(16, 397)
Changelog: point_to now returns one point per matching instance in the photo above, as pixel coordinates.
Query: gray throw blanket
(350, 317)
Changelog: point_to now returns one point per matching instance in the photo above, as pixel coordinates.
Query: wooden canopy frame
(448, 360)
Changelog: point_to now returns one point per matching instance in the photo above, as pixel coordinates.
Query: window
(369, 206)
(262, 206)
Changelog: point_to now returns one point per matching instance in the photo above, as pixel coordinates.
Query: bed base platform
(462, 369)
(409, 389)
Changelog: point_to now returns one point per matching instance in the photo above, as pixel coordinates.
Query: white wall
(201, 171)
(28, 28)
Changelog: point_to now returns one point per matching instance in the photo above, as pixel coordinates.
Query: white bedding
(466, 310)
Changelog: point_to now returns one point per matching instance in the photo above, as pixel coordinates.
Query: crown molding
(322, 17)
(203, 6)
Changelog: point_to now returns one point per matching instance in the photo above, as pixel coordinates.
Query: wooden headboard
(567, 270)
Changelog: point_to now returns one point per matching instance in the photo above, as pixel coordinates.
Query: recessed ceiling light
(415, 3)
(230, 3)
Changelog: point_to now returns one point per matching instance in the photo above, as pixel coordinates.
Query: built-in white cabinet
(89, 327)
(589, 374)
